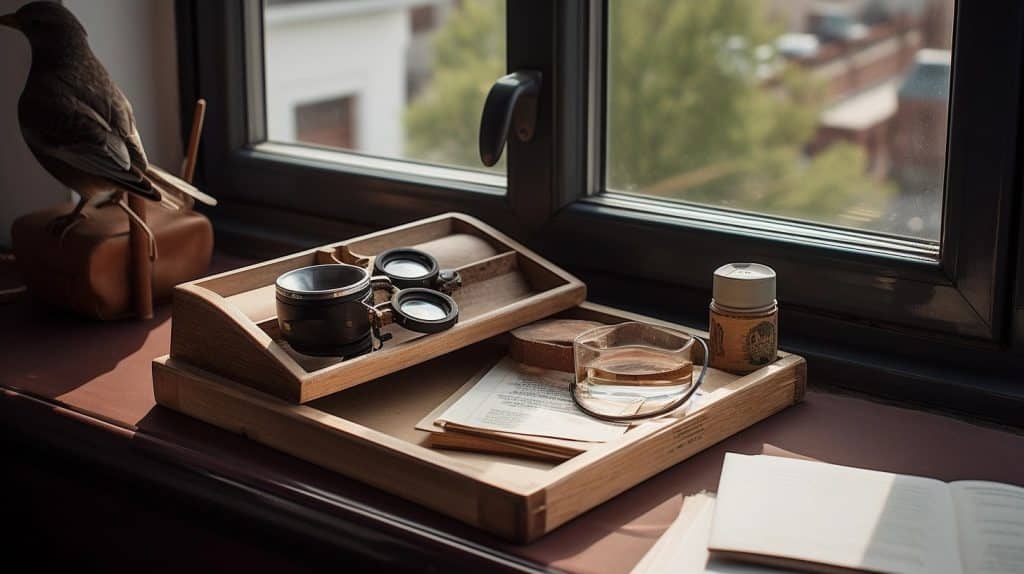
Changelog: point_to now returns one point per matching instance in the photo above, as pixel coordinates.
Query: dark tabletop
(98, 375)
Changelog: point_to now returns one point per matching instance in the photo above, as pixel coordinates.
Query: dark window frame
(877, 303)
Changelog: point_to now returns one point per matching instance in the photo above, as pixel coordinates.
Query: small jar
(744, 326)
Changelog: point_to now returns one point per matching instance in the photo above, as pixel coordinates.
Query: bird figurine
(80, 126)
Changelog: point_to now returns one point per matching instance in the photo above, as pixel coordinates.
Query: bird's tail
(177, 193)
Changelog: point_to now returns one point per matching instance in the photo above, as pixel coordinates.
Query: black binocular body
(329, 310)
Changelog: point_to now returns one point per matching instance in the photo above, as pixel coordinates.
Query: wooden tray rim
(310, 415)
(202, 292)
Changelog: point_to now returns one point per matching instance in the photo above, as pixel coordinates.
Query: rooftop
(864, 109)
(928, 79)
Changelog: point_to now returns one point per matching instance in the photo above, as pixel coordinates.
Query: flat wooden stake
(188, 169)
(141, 266)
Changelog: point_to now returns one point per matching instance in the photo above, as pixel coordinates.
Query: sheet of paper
(517, 399)
(990, 520)
(829, 514)
(683, 548)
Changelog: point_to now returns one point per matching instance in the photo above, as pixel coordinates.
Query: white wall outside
(362, 54)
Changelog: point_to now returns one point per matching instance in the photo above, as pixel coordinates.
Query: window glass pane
(831, 111)
(401, 79)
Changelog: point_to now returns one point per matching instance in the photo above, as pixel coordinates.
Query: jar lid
(744, 285)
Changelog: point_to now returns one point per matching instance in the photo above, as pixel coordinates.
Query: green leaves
(700, 108)
(443, 123)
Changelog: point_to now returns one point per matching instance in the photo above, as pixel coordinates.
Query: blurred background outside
(832, 111)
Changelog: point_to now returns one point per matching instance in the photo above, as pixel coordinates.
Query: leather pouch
(88, 272)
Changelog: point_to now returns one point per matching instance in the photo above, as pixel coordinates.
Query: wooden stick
(141, 255)
(140, 264)
(188, 169)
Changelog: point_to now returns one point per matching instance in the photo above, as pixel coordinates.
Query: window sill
(976, 379)
(979, 384)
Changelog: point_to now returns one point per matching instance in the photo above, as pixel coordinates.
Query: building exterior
(374, 56)
(883, 66)
(920, 123)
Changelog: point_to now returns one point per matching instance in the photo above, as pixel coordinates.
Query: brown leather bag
(88, 272)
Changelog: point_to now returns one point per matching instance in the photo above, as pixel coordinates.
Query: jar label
(761, 346)
(742, 344)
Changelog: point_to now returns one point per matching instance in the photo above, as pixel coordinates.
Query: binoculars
(330, 310)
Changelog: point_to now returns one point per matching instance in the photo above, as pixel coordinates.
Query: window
(827, 112)
(866, 149)
(419, 71)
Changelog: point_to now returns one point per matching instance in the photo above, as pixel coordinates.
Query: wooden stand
(227, 323)
(141, 243)
(103, 269)
(367, 433)
(359, 416)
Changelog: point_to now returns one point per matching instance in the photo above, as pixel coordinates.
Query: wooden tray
(367, 433)
(227, 324)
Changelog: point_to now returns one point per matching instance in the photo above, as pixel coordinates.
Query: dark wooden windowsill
(977, 381)
(84, 389)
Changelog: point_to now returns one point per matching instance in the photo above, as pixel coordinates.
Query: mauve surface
(103, 369)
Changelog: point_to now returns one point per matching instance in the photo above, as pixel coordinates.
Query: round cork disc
(548, 344)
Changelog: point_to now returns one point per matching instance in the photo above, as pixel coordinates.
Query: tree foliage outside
(700, 109)
(443, 124)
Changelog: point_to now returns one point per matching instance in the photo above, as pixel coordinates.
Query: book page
(990, 520)
(515, 398)
(683, 548)
(834, 515)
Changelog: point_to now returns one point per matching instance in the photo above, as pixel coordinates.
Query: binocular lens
(423, 310)
(405, 268)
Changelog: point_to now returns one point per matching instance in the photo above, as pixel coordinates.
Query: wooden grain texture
(599, 474)
(367, 433)
(393, 358)
(548, 344)
(487, 268)
(254, 276)
(408, 235)
(221, 322)
(228, 343)
(451, 251)
(423, 476)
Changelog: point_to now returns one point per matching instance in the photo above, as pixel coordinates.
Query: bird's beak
(9, 20)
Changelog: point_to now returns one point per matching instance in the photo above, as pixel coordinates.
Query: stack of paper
(517, 410)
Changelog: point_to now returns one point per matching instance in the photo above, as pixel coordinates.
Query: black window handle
(512, 98)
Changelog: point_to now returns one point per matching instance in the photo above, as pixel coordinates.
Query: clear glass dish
(633, 370)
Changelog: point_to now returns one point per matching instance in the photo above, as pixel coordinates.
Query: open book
(831, 518)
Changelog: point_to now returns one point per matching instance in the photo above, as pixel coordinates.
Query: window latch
(512, 99)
